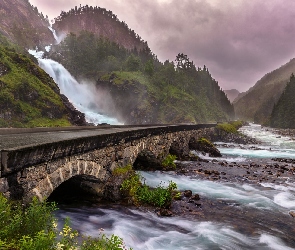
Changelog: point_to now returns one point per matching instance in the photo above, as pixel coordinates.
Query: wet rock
(292, 213)
(76, 117)
(187, 193)
(146, 160)
(205, 146)
(195, 197)
(164, 212)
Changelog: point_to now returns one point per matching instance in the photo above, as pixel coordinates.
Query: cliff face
(257, 103)
(22, 24)
(100, 22)
(29, 97)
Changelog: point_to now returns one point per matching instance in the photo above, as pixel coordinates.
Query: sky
(238, 40)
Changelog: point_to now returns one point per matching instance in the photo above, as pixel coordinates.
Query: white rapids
(263, 202)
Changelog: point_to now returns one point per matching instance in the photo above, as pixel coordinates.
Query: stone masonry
(36, 177)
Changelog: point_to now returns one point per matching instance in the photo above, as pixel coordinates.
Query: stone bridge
(34, 162)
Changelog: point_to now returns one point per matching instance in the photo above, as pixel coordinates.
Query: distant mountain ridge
(257, 103)
(97, 46)
(283, 115)
(232, 94)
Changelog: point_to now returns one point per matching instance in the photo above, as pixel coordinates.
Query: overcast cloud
(239, 41)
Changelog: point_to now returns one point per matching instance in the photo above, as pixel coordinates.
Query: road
(16, 138)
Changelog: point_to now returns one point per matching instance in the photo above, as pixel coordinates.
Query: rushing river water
(256, 215)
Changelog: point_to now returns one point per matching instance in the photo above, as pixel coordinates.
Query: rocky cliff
(21, 23)
(99, 21)
(29, 97)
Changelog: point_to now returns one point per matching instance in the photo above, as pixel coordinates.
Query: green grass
(143, 194)
(28, 94)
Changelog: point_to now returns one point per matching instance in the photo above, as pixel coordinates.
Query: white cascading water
(255, 202)
(83, 96)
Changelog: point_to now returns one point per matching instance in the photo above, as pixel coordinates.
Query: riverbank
(242, 200)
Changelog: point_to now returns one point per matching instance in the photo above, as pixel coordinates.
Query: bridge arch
(39, 170)
(50, 182)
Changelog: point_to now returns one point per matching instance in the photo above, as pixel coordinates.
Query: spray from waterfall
(83, 96)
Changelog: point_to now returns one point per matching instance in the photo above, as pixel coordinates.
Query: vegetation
(258, 102)
(205, 142)
(231, 127)
(101, 22)
(23, 24)
(139, 84)
(140, 193)
(28, 96)
(168, 162)
(283, 115)
(35, 228)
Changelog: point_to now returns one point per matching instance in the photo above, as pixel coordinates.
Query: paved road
(15, 138)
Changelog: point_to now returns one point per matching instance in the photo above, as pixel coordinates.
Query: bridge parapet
(36, 170)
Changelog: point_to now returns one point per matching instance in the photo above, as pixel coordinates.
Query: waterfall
(83, 96)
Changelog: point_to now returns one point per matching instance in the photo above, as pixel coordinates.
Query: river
(243, 216)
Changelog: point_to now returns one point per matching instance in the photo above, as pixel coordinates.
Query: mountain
(100, 22)
(132, 83)
(232, 94)
(138, 88)
(257, 103)
(29, 97)
(21, 23)
(283, 115)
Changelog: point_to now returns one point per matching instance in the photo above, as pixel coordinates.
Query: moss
(122, 170)
(205, 142)
(28, 95)
(227, 127)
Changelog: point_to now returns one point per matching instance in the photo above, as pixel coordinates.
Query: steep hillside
(28, 96)
(22, 24)
(283, 115)
(257, 103)
(232, 94)
(100, 22)
(142, 89)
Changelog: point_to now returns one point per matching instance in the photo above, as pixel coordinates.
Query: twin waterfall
(83, 96)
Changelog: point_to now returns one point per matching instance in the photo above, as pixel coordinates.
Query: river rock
(187, 193)
(195, 197)
(292, 213)
(164, 212)
(203, 145)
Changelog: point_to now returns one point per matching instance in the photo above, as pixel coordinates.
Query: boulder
(205, 146)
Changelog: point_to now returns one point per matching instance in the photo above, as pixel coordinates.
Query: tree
(183, 62)
(133, 63)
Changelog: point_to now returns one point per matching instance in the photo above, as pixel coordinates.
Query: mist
(84, 95)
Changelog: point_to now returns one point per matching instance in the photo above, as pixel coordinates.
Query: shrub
(168, 162)
(143, 194)
(226, 127)
(35, 228)
(122, 170)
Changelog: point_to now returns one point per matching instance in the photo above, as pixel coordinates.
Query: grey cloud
(238, 41)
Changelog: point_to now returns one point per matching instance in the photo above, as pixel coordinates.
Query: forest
(184, 92)
(283, 115)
